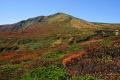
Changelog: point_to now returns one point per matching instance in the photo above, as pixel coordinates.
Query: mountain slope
(59, 19)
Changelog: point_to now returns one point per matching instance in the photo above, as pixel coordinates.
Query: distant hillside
(59, 20)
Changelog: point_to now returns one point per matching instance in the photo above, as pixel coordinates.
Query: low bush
(7, 71)
(87, 77)
(112, 51)
(99, 61)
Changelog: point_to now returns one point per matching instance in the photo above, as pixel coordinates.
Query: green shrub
(106, 42)
(45, 73)
(61, 53)
(55, 54)
(82, 38)
(73, 48)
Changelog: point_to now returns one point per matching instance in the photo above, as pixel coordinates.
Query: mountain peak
(60, 14)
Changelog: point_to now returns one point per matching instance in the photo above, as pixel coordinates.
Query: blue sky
(107, 11)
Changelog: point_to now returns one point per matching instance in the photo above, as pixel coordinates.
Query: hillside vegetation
(59, 47)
